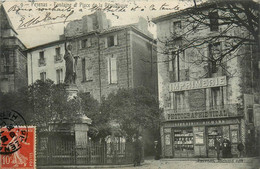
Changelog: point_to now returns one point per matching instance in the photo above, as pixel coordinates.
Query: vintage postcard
(130, 83)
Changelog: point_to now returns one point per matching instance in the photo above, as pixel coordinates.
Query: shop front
(197, 138)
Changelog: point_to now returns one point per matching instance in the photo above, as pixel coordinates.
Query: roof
(49, 44)
(2, 9)
(202, 5)
(103, 32)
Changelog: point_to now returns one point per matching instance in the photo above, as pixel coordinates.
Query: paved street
(178, 164)
(163, 164)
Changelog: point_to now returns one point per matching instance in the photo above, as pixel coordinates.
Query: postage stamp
(17, 142)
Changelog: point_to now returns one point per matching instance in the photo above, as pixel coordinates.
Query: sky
(39, 22)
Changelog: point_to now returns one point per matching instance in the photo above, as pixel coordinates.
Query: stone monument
(80, 126)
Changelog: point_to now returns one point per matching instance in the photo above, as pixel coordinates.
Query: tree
(133, 110)
(42, 103)
(100, 127)
(204, 26)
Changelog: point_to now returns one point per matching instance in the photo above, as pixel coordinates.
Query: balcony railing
(42, 62)
(58, 58)
(221, 111)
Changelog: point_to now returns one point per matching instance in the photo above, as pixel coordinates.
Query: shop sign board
(198, 115)
(203, 123)
(198, 84)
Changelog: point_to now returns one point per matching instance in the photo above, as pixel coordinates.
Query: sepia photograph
(171, 84)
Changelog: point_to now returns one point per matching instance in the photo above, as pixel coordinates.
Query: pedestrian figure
(156, 150)
(226, 148)
(217, 147)
(240, 148)
(137, 151)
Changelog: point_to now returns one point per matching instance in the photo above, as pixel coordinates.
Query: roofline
(11, 25)
(49, 44)
(131, 26)
(202, 5)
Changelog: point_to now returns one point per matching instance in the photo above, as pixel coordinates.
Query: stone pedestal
(72, 90)
(81, 131)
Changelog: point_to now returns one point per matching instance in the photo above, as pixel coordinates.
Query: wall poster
(167, 139)
(234, 136)
(199, 137)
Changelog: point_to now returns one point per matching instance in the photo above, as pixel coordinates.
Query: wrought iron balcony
(220, 111)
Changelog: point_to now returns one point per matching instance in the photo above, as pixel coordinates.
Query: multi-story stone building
(109, 58)
(205, 100)
(13, 65)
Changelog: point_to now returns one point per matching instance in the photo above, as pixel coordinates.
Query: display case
(183, 143)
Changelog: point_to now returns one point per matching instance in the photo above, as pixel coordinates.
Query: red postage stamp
(17, 147)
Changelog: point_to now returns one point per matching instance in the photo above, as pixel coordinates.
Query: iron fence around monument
(67, 152)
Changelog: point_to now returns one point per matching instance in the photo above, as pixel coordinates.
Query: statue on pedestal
(71, 63)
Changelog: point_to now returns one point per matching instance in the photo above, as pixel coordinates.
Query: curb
(88, 166)
(214, 160)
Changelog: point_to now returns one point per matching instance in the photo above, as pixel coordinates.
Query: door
(212, 133)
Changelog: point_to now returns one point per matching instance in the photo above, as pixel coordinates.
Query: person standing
(156, 150)
(226, 148)
(138, 148)
(217, 147)
(240, 148)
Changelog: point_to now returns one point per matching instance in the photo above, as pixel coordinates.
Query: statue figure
(71, 63)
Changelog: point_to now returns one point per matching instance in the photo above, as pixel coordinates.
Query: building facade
(13, 67)
(204, 100)
(109, 58)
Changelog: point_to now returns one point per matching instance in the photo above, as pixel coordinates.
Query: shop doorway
(212, 134)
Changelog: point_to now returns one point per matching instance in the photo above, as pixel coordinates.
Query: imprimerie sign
(198, 84)
(198, 115)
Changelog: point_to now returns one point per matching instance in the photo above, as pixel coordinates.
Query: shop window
(183, 142)
(213, 21)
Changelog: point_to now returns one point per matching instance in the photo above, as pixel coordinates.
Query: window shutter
(105, 39)
(115, 40)
(89, 71)
(170, 63)
(89, 42)
(83, 69)
(80, 44)
(113, 70)
(61, 75)
(108, 70)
